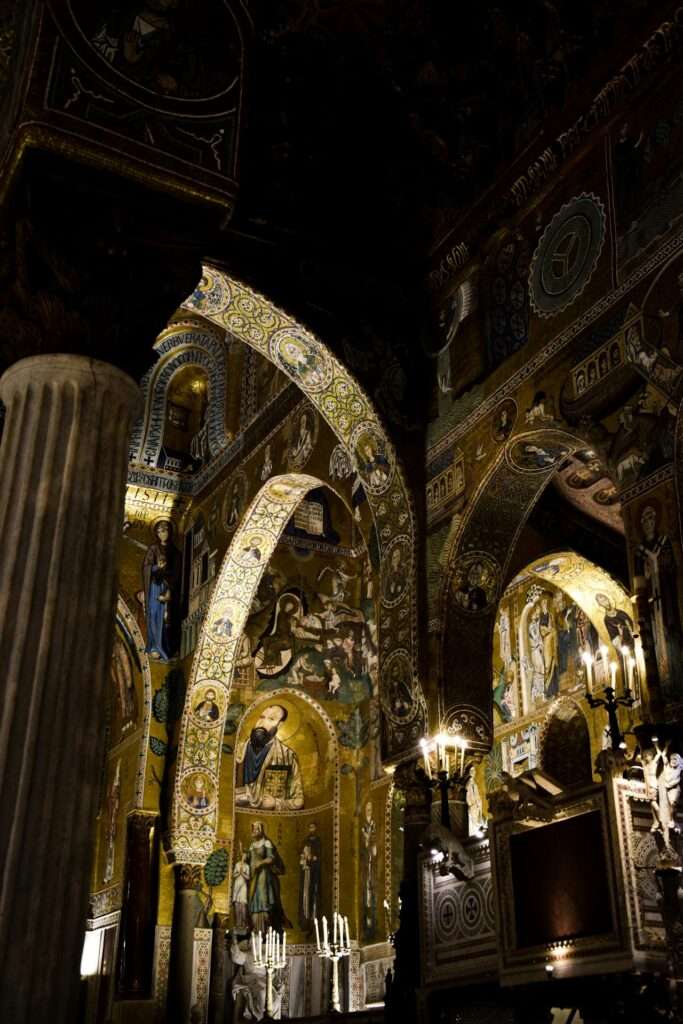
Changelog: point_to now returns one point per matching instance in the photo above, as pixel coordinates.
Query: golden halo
(163, 519)
(289, 728)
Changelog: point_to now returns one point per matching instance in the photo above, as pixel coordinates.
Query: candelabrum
(271, 954)
(610, 702)
(452, 769)
(333, 951)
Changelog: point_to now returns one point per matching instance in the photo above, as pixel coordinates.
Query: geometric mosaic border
(298, 354)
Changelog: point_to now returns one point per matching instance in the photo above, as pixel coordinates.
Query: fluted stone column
(62, 477)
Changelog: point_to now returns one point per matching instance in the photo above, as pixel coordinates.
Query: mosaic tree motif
(254, 320)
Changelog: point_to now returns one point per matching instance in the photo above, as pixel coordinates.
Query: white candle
(253, 945)
(284, 946)
(317, 934)
(325, 943)
(613, 670)
(588, 662)
(462, 758)
(426, 758)
(334, 928)
(631, 666)
(348, 937)
(260, 945)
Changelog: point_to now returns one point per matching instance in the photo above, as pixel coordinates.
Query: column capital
(61, 368)
(410, 779)
(140, 822)
(187, 876)
(409, 775)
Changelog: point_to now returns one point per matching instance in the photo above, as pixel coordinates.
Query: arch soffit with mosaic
(193, 829)
(499, 471)
(253, 319)
(486, 538)
(125, 616)
(188, 342)
(580, 579)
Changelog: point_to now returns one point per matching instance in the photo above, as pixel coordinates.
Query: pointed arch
(251, 318)
(479, 558)
(187, 342)
(565, 744)
(193, 829)
(126, 618)
(603, 601)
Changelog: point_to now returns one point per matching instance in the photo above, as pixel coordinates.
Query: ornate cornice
(630, 78)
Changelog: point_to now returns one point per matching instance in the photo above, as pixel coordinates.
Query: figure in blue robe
(161, 579)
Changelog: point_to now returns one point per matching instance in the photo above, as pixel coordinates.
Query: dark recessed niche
(560, 881)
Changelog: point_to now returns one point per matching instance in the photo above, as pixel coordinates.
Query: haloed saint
(161, 574)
